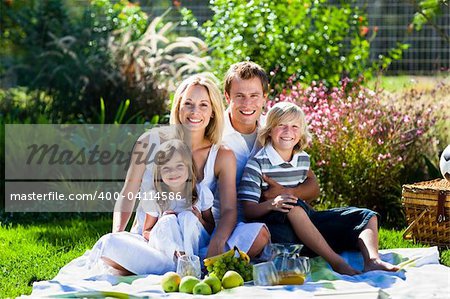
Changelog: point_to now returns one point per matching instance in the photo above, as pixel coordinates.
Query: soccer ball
(445, 163)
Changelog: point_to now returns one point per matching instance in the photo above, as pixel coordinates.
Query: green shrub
(98, 52)
(22, 105)
(312, 39)
(153, 64)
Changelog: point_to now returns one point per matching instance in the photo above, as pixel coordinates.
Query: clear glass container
(291, 267)
(189, 265)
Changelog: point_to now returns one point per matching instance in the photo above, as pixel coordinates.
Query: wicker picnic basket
(427, 207)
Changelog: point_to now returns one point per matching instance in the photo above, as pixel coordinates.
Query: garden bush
(97, 51)
(313, 39)
(21, 105)
(362, 149)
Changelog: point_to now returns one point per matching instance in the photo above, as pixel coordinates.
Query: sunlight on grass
(394, 239)
(37, 252)
(402, 83)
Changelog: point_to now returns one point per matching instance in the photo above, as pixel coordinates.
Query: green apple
(232, 279)
(187, 284)
(170, 282)
(214, 283)
(202, 288)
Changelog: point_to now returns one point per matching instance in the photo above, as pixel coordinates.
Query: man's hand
(274, 190)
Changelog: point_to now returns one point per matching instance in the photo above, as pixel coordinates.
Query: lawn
(36, 252)
(402, 83)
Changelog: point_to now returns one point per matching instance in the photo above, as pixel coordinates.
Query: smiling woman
(198, 106)
(195, 108)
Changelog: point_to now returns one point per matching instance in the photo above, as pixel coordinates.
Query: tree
(427, 11)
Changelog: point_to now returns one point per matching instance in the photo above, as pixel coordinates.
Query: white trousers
(181, 232)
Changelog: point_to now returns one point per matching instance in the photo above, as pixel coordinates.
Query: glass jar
(291, 267)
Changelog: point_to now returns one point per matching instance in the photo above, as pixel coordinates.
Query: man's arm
(308, 190)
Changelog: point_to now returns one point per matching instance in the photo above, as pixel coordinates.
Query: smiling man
(246, 88)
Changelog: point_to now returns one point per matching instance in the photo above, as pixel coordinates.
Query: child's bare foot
(377, 264)
(114, 268)
(343, 268)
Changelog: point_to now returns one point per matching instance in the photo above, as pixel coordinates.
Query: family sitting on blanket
(275, 187)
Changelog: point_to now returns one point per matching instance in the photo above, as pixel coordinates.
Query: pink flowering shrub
(362, 149)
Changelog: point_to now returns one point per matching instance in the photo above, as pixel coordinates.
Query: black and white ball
(445, 163)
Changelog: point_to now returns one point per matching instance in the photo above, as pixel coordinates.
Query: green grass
(394, 239)
(402, 83)
(37, 251)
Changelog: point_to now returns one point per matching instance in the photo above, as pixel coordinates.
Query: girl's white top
(205, 188)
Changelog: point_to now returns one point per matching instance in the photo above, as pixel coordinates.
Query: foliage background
(102, 61)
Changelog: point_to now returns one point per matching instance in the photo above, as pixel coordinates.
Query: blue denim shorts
(340, 226)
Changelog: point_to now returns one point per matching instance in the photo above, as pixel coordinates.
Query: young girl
(282, 159)
(178, 213)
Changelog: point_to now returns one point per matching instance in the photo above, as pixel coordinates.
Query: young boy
(282, 158)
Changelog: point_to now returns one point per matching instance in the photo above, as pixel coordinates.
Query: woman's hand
(283, 203)
(146, 234)
(216, 246)
(197, 213)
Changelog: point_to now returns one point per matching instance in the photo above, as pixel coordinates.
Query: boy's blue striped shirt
(267, 161)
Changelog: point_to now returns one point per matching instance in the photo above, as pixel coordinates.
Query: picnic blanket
(421, 276)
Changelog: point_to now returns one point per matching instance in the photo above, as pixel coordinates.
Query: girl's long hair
(165, 153)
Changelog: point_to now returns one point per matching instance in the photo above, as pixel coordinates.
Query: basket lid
(438, 185)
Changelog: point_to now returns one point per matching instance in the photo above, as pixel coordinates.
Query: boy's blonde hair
(165, 153)
(246, 70)
(216, 124)
(285, 112)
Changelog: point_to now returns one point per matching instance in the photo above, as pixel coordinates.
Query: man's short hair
(246, 70)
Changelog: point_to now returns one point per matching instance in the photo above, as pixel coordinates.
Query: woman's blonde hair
(215, 127)
(165, 152)
(285, 112)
